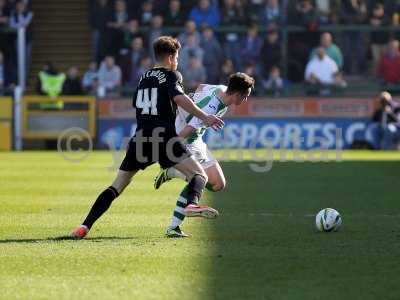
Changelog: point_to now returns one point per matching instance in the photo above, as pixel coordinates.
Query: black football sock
(195, 189)
(101, 205)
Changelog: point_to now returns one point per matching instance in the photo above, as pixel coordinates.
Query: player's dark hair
(164, 46)
(240, 82)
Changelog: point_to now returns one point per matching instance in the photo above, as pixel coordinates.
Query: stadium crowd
(13, 15)
(213, 45)
(219, 37)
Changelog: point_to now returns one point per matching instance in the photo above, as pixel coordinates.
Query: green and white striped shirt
(206, 98)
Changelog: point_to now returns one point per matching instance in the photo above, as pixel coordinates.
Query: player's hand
(386, 96)
(214, 122)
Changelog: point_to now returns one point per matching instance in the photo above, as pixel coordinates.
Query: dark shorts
(168, 152)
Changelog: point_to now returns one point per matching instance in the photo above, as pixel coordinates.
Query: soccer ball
(328, 220)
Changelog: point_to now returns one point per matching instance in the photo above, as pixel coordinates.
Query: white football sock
(179, 214)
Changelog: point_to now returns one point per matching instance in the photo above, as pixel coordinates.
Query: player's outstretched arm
(187, 104)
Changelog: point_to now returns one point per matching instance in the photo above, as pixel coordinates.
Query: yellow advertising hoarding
(6, 119)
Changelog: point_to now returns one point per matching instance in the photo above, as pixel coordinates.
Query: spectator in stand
(389, 64)
(300, 43)
(175, 16)
(156, 30)
(194, 74)
(146, 13)
(227, 69)
(388, 115)
(7, 45)
(22, 18)
(274, 84)
(4, 13)
(251, 70)
(331, 49)
(131, 33)
(144, 65)
(250, 47)
(254, 7)
(190, 29)
(322, 70)
(187, 5)
(116, 24)
(110, 76)
(160, 6)
(205, 14)
(90, 79)
(190, 49)
(394, 9)
(327, 11)
(211, 61)
(271, 54)
(50, 82)
(130, 61)
(354, 12)
(232, 14)
(119, 16)
(99, 15)
(11, 4)
(270, 13)
(378, 39)
(305, 15)
(72, 84)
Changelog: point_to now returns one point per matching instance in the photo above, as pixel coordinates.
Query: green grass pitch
(263, 246)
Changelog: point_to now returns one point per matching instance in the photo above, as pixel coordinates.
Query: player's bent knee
(219, 185)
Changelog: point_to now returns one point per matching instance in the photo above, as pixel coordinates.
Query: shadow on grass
(66, 238)
(257, 255)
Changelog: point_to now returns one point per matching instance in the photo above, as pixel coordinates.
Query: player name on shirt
(160, 75)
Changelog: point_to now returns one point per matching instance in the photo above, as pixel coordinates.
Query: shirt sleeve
(174, 83)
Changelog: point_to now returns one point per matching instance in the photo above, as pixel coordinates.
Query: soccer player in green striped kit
(213, 100)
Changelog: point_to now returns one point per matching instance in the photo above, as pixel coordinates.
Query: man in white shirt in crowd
(322, 70)
(109, 75)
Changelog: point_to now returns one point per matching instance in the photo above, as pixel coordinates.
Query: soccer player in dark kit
(157, 96)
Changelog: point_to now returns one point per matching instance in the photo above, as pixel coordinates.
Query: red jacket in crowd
(389, 68)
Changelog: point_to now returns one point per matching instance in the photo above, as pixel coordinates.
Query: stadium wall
(300, 123)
